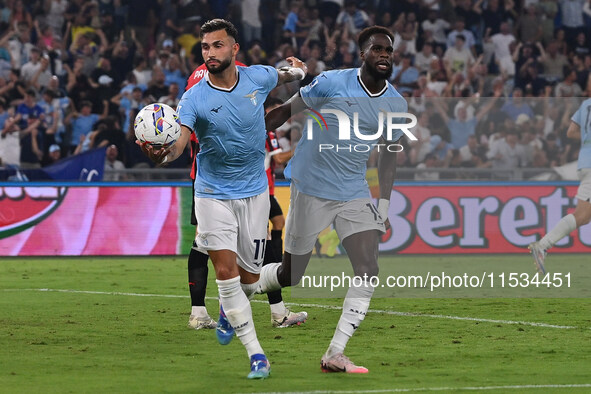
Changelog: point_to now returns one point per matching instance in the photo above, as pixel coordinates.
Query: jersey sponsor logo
(216, 109)
(24, 207)
(253, 97)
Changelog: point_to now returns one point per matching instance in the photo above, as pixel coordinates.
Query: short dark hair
(366, 34)
(219, 24)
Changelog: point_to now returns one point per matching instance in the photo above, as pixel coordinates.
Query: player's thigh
(218, 227)
(252, 231)
(357, 216)
(306, 218)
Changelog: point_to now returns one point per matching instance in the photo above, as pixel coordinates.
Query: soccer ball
(158, 125)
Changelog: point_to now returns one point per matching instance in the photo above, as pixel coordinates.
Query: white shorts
(236, 225)
(584, 191)
(309, 215)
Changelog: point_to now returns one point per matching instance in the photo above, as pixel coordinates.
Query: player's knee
(278, 222)
(367, 269)
(224, 273)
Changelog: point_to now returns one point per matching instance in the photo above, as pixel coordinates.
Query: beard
(224, 64)
(378, 74)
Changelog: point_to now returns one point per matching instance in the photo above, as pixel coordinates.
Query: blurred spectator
(10, 149)
(516, 106)
(352, 19)
(458, 58)
(113, 166)
(549, 10)
(424, 58)
(437, 27)
(439, 147)
(54, 154)
(142, 73)
(553, 62)
(501, 42)
(507, 153)
(430, 162)
(251, 22)
(172, 99)
(157, 87)
(467, 36)
(27, 121)
(462, 127)
(569, 87)
(405, 78)
(529, 25)
(572, 18)
(83, 122)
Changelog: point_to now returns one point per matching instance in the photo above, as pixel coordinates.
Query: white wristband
(165, 159)
(383, 207)
(298, 72)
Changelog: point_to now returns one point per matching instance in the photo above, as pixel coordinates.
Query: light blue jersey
(230, 126)
(583, 118)
(338, 173)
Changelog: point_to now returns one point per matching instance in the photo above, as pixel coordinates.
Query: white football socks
(239, 314)
(268, 280)
(278, 309)
(355, 307)
(199, 311)
(564, 227)
(249, 288)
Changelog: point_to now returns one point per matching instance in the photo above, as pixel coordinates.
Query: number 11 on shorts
(259, 246)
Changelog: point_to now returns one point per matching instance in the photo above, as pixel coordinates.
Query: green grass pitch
(100, 335)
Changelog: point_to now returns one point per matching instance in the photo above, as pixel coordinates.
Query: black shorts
(275, 207)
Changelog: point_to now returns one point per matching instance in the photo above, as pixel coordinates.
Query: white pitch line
(330, 307)
(468, 388)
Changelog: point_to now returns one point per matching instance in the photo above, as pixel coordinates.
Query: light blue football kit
(329, 185)
(339, 173)
(231, 194)
(230, 126)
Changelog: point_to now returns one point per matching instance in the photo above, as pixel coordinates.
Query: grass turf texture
(79, 342)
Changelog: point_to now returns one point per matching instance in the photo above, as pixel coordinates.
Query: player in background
(579, 128)
(329, 187)
(198, 270)
(225, 110)
(281, 316)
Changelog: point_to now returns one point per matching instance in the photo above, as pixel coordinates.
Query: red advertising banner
(479, 218)
(142, 220)
(74, 221)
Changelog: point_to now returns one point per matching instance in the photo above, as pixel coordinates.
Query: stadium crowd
(493, 83)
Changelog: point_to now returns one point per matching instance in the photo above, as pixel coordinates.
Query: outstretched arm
(162, 155)
(276, 117)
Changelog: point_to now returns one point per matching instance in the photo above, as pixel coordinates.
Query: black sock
(198, 270)
(277, 243)
(271, 257)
